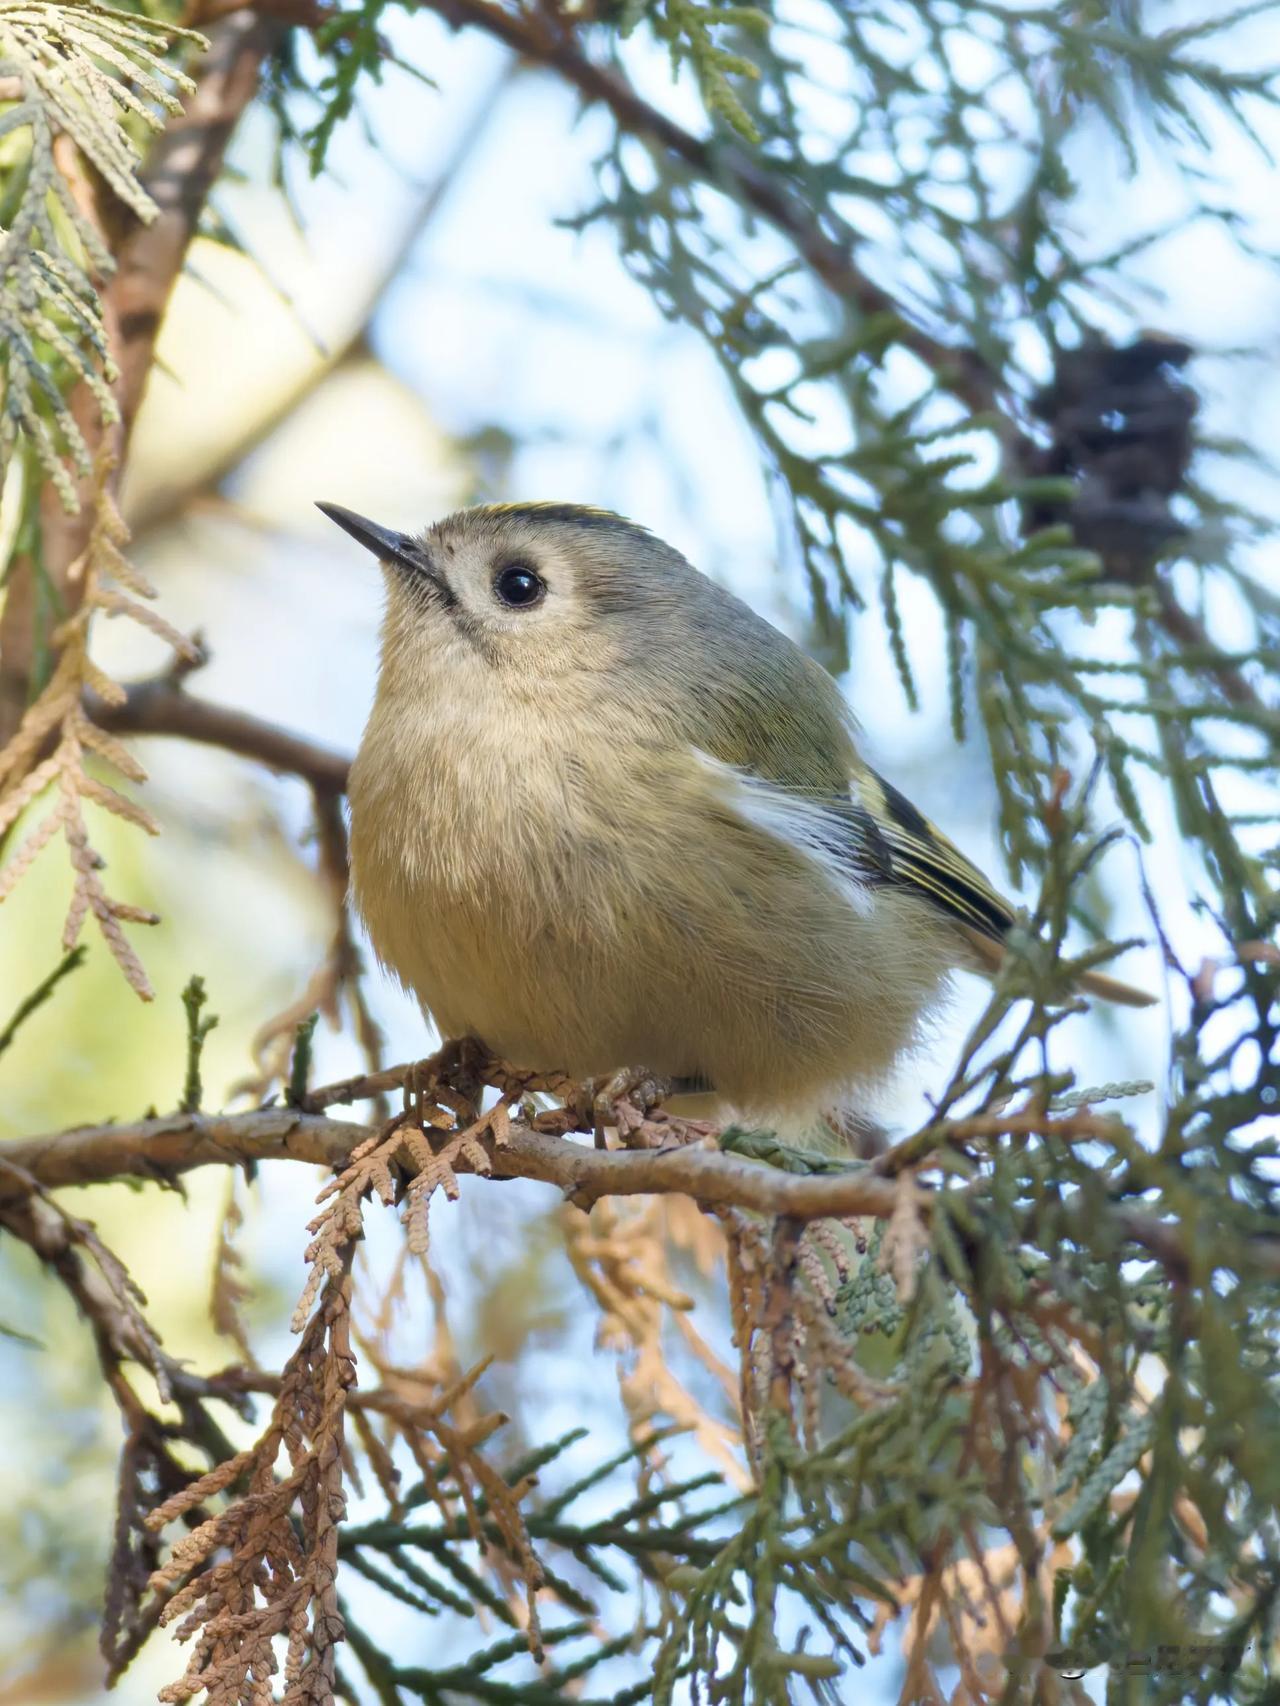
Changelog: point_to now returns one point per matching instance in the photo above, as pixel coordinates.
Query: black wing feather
(908, 851)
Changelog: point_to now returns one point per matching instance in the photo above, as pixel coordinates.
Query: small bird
(605, 818)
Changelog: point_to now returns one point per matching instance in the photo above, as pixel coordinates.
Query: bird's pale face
(536, 593)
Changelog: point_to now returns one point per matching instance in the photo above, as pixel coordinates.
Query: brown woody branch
(162, 707)
(162, 1149)
(180, 172)
(1188, 632)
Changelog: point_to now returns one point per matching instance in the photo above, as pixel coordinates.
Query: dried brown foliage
(906, 1237)
(621, 1252)
(156, 1453)
(112, 585)
(228, 1291)
(266, 1565)
(781, 1297)
(444, 1431)
(402, 1161)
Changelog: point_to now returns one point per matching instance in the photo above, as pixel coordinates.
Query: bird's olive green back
(740, 690)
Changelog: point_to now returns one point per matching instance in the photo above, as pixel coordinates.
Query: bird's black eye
(518, 586)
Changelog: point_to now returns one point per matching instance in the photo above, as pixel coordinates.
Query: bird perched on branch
(604, 817)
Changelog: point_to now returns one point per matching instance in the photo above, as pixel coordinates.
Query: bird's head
(535, 592)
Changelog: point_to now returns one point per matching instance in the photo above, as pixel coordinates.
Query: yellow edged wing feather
(922, 858)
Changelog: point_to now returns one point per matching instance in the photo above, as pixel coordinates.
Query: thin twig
(1187, 630)
(163, 1148)
(540, 36)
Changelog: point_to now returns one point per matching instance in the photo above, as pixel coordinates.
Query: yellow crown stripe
(550, 510)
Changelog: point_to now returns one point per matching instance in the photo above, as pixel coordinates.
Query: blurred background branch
(162, 706)
(145, 260)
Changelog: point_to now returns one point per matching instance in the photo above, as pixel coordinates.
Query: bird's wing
(915, 855)
(863, 836)
(873, 836)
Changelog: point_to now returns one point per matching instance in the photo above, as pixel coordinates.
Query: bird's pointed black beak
(385, 544)
(402, 549)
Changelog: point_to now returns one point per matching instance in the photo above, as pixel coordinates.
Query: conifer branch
(144, 261)
(164, 1148)
(542, 37)
(136, 233)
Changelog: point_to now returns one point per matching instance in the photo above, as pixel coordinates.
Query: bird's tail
(988, 956)
(1112, 989)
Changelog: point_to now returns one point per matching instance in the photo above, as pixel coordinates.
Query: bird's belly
(588, 937)
(783, 1022)
(547, 994)
(543, 1003)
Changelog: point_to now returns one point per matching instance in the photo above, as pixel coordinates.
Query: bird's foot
(463, 1064)
(857, 1132)
(623, 1100)
(630, 1101)
(443, 1092)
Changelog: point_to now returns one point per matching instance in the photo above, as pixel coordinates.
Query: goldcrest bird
(604, 817)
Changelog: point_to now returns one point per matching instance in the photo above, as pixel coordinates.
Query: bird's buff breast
(492, 875)
(584, 906)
